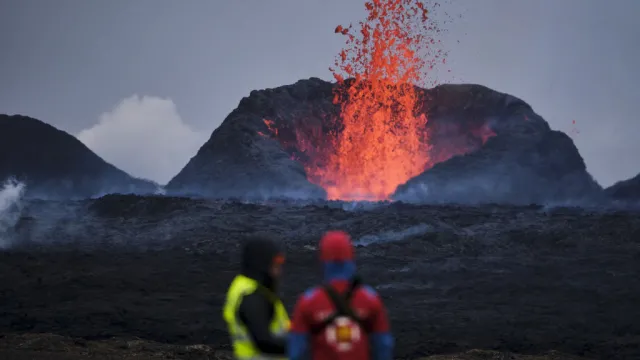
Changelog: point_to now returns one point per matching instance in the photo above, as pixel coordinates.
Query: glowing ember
(383, 143)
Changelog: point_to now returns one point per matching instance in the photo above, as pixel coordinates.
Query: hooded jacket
(256, 310)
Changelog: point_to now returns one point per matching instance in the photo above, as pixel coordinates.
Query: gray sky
(144, 82)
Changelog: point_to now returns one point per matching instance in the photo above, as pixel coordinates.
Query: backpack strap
(342, 305)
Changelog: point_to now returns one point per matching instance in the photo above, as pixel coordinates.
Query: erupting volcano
(381, 140)
(383, 133)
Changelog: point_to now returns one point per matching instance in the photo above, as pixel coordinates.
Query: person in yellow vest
(256, 318)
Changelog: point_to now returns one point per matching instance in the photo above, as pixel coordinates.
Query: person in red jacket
(343, 318)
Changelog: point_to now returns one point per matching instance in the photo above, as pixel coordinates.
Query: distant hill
(54, 164)
(626, 190)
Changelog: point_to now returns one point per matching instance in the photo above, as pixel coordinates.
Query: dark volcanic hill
(491, 147)
(626, 190)
(239, 161)
(54, 164)
(525, 162)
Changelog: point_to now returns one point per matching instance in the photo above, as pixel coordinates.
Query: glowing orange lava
(383, 142)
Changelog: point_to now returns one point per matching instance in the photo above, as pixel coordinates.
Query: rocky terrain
(54, 164)
(55, 347)
(262, 147)
(526, 280)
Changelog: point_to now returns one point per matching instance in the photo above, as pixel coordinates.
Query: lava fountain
(381, 140)
(383, 143)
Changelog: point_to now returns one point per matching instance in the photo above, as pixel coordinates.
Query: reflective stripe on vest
(243, 346)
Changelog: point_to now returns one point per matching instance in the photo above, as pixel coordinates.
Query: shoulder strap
(342, 305)
(341, 302)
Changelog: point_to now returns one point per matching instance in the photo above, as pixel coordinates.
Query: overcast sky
(144, 82)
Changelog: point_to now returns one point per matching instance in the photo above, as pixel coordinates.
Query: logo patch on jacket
(342, 333)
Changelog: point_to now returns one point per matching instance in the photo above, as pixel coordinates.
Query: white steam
(10, 208)
(144, 136)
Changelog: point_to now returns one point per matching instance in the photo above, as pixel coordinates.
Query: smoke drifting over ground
(388, 236)
(10, 210)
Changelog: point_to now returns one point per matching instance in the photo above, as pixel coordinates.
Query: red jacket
(344, 339)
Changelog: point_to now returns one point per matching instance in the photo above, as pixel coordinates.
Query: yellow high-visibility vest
(243, 346)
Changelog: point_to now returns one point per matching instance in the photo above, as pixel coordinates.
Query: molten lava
(383, 143)
(382, 139)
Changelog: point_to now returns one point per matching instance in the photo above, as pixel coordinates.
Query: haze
(143, 83)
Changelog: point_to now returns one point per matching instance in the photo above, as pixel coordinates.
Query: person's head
(262, 260)
(337, 255)
(275, 270)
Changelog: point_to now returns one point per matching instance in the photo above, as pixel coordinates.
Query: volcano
(376, 135)
(480, 145)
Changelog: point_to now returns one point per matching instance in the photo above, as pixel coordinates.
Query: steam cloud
(144, 136)
(10, 205)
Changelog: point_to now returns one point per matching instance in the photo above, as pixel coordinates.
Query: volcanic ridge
(484, 146)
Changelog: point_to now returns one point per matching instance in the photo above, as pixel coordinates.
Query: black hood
(257, 256)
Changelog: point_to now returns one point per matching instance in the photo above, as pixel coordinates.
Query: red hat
(336, 245)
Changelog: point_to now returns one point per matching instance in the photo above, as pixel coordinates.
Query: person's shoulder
(369, 291)
(256, 298)
(308, 300)
(310, 294)
(369, 295)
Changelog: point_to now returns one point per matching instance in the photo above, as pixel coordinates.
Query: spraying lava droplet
(574, 130)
